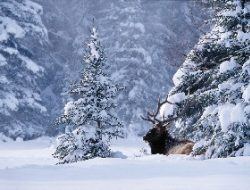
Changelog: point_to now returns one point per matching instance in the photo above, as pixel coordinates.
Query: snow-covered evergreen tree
(213, 86)
(21, 109)
(90, 113)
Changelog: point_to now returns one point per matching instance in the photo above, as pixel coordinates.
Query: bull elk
(159, 139)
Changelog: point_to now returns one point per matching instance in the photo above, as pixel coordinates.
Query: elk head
(159, 130)
(155, 134)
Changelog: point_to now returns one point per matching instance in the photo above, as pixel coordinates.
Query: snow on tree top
(9, 26)
(93, 47)
(2, 60)
(228, 65)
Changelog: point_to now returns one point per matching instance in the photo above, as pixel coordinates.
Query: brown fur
(161, 142)
(181, 149)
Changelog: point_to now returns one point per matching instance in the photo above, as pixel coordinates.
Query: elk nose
(144, 138)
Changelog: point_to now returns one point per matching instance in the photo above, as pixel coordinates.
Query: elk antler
(151, 117)
(166, 122)
(148, 118)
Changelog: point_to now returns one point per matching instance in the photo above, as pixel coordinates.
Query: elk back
(184, 147)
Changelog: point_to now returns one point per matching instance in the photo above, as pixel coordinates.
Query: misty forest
(124, 94)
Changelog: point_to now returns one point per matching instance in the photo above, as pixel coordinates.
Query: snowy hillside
(30, 166)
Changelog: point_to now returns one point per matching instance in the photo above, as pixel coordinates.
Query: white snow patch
(167, 110)
(230, 113)
(31, 65)
(103, 114)
(3, 80)
(246, 93)
(10, 50)
(241, 36)
(94, 54)
(140, 26)
(224, 115)
(177, 78)
(229, 85)
(210, 110)
(2, 60)
(94, 33)
(176, 98)
(9, 26)
(247, 109)
(246, 67)
(35, 6)
(9, 101)
(224, 36)
(31, 99)
(68, 107)
(228, 65)
(32, 103)
(246, 151)
(225, 85)
(238, 114)
(4, 138)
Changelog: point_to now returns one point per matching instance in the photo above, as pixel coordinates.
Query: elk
(159, 139)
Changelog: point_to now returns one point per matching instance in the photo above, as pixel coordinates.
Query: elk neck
(163, 144)
(157, 147)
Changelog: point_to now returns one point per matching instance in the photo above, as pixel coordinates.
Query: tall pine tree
(91, 111)
(213, 86)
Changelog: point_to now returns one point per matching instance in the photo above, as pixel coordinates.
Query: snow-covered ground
(30, 166)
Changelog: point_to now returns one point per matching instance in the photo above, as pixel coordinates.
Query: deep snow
(30, 166)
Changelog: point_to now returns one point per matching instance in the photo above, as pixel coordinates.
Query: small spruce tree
(91, 111)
